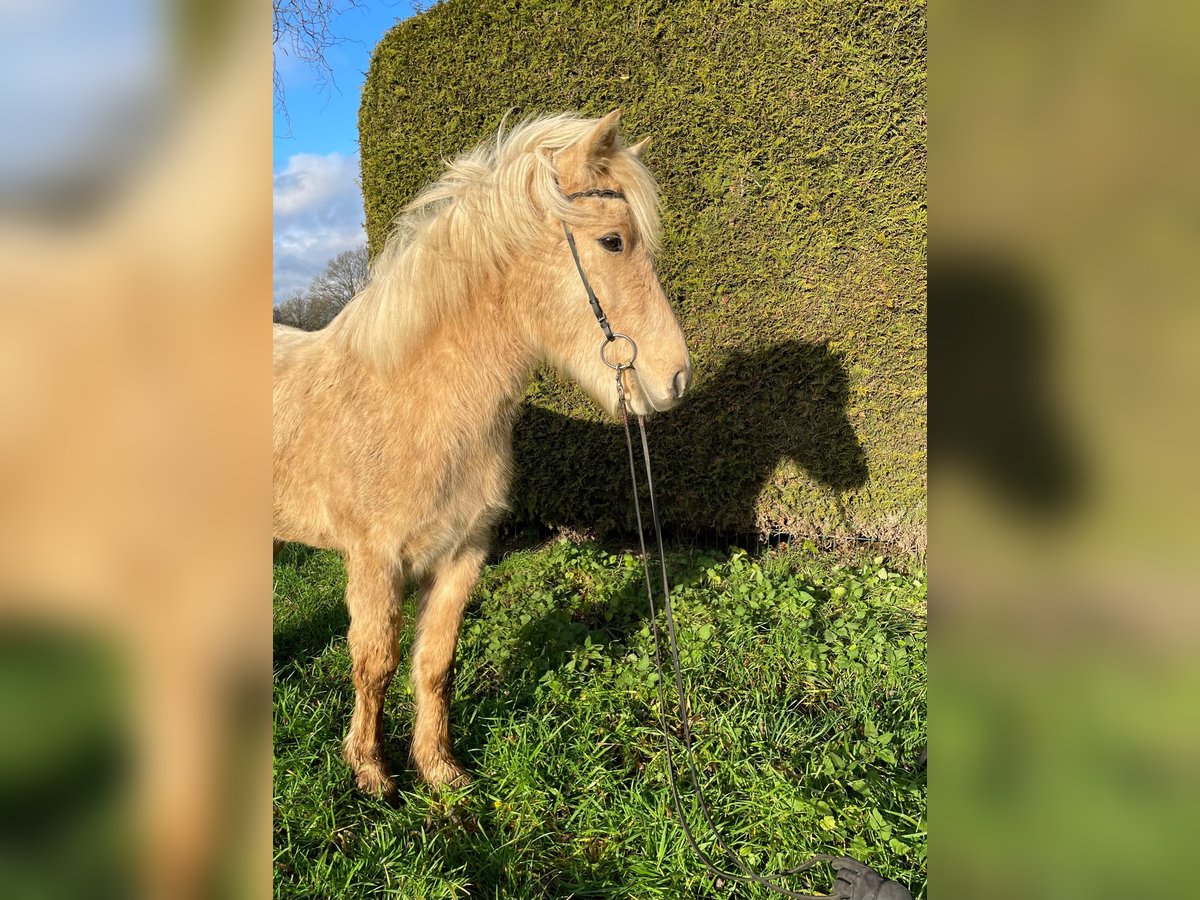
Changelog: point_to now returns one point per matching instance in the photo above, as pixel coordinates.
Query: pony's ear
(589, 152)
(598, 143)
(640, 147)
(601, 141)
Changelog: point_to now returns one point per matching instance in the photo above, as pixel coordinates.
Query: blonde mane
(458, 232)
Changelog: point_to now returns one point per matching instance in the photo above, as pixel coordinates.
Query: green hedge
(789, 140)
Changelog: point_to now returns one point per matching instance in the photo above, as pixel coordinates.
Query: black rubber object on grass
(856, 881)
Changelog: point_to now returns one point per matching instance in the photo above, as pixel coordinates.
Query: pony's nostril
(679, 383)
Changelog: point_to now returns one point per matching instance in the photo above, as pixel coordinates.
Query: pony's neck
(475, 360)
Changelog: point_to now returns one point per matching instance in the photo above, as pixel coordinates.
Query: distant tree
(293, 310)
(344, 276)
(327, 294)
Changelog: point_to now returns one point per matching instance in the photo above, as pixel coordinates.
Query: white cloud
(318, 214)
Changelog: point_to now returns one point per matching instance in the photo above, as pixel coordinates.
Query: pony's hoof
(370, 774)
(375, 782)
(443, 773)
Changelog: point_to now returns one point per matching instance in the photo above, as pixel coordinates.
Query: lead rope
(854, 880)
(672, 779)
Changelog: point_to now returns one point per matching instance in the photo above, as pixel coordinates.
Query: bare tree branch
(344, 276)
(303, 30)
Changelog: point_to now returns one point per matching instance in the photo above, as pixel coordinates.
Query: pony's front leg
(443, 599)
(374, 598)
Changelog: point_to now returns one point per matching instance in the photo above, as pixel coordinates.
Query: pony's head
(493, 225)
(608, 201)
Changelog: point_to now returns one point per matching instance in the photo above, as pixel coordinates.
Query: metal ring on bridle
(604, 352)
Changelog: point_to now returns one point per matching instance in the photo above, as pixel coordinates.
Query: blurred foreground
(135, 236)
(1065, 329)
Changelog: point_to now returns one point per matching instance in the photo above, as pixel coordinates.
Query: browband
(597, 192)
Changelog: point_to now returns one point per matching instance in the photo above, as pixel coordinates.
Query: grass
(807, 681)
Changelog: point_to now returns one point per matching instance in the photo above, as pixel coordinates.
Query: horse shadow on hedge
(712, 457)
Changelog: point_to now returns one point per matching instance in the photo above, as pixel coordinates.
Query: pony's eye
(612, 243)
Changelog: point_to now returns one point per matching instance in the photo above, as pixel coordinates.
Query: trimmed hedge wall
(789, 140)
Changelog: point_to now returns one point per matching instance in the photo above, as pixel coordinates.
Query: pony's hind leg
(443, 599)
(375, 600)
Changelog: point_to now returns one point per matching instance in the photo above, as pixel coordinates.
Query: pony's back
(292, 349)
(296, 362)
(286, 339)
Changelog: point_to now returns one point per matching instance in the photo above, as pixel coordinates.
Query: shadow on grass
(309, 637)
(294, 555)
(303, 637)
(546, 642)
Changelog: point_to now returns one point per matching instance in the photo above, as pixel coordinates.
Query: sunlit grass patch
(807, 683)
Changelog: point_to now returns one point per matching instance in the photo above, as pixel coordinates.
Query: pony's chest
(430, 480)
(468, 497)
(478, 481)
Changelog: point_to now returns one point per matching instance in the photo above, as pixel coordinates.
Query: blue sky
(317, 198)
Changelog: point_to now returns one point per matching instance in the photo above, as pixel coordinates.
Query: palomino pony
(393, 425)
